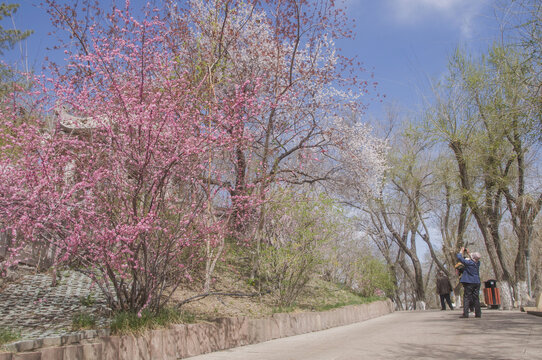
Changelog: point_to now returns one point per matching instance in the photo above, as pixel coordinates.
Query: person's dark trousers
(471, 296)
(448, 300)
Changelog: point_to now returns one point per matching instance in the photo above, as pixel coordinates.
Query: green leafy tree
(485, 116)
(9, 37)
(297, 230)
(9, 79)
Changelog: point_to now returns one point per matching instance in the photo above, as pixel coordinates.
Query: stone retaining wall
(35, 254)
(185, 340)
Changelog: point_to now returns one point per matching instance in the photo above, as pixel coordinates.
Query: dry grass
(216, 306)
(319, 295)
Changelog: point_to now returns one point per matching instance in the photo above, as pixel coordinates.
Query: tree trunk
(507, 298)
(488, 220)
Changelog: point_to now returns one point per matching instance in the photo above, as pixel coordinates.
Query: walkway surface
(498, 335)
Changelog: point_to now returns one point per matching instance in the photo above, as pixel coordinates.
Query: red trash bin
(492, 296)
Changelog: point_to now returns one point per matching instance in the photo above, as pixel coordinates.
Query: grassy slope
(319, 295)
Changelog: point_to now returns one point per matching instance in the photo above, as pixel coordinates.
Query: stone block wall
(36, 255)
(185, 340)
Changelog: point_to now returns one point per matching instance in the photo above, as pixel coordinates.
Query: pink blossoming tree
(119, 190)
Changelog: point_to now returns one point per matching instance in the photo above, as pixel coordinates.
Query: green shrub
(126, 322)
(297, 227)
(373, 277)
(7, 336)
(87, 300)
(83, 321)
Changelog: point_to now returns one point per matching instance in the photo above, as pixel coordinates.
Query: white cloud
(457, 13)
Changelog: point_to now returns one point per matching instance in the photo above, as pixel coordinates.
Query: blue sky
(407, 42)
(404, 42)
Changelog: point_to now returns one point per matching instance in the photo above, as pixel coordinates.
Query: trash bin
(492, 296)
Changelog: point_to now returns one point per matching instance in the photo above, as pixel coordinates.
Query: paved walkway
(33, 308)
(498, 335)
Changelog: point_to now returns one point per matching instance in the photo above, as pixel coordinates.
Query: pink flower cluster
(117, 182)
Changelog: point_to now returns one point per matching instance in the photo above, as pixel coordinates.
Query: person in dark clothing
(444, 288)
(471, 282)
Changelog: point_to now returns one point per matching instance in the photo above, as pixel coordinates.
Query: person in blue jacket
(471, 282)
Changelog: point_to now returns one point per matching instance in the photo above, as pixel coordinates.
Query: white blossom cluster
(363, 157)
